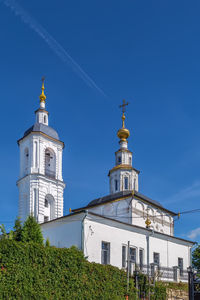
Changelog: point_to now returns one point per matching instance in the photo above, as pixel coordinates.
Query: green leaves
(31, 231)
(196, 257)
(18, 230)
(34, 271)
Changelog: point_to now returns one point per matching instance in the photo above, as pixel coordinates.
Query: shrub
(31, 231)
(33, 271)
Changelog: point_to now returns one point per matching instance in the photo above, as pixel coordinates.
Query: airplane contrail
(52, 43)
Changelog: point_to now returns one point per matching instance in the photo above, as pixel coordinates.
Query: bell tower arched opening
(50, 163)
(49, 208)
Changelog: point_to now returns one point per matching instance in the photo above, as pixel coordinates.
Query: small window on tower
(116, 185)
(46, 203)
(119, 160)
(130, 161)
(45, 119)
(126, 183)
(26, 153)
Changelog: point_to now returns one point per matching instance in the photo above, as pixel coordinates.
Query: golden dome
(123, 133)
(42, 96)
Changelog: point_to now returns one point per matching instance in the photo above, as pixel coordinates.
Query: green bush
(33, 271)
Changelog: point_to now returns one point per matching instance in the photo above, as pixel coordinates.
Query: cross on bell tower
(123, 106)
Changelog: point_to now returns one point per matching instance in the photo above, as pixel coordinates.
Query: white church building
(124, 225)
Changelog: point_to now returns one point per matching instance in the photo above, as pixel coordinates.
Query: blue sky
(93, 54)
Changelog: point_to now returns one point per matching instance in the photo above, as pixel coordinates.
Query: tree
(196, 257)
(18, 230)
(47, 243)
(31, 231)
(4, 234)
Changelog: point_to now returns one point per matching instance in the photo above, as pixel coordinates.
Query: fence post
(128, 268)
(191, 283)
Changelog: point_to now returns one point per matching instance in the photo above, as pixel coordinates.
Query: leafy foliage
(196, 258)
(18, 230)
(31, 231)
(33, 271)
(47, 243)
(4, 234)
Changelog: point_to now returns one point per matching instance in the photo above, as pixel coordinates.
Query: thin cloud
(185, 194)
(52, 43)
(194, 233)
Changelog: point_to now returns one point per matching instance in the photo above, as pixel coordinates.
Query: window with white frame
(105, 253)
(156, 258)
(132, 255)
(124, 256)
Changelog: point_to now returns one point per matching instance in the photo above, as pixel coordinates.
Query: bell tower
(40, 181)
(123, 177)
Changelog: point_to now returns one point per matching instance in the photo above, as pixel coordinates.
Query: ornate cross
(123, 106)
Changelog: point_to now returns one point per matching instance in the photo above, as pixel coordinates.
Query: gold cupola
(42, 96)
(123, 133)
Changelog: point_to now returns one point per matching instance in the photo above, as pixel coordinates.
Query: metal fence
(162, 273)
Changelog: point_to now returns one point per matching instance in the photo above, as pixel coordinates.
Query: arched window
(49, 208)
(126, 183)
(46, 203)
(119, 160)
(50, 163)
(45, 119)
(116, 185)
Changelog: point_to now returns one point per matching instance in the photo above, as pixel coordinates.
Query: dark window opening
(46, 203)
(126, 183)
(141, 258)
(156, 258)
(116, 185)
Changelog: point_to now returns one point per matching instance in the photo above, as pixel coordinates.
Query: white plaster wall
(43, 186)
(117, 235)
(64, 232)
(119, 210)
(135, 211)
(161, 221)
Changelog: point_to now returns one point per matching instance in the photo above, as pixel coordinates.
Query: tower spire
(123, 133)
(42, 96)
(123, 176)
